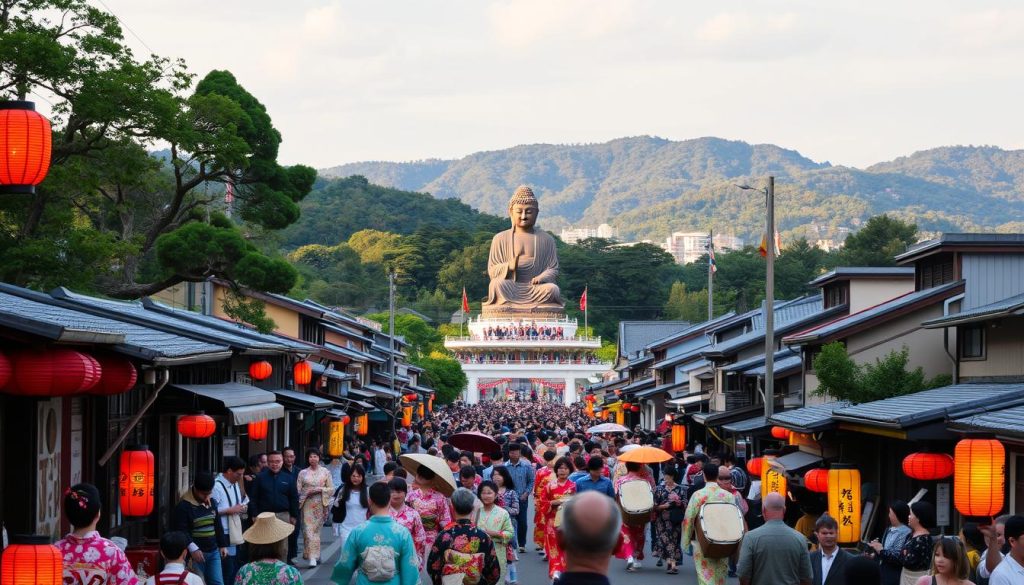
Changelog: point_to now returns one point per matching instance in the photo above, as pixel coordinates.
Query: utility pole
(711, 274)
(769, 302)
(391, 346)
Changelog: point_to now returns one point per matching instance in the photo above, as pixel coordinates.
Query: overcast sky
(849, 82)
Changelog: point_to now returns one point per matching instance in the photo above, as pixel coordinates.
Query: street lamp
(769, 293)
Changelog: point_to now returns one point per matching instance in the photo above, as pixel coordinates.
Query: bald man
(589, 534)
(778, 552)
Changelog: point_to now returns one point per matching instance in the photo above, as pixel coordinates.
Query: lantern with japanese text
(844, 501)
(773, 477)
(406, 416)
(816, 480)
(25, 144)
(928, 466)
(117, 375)
(136, 481)
(303, 372)
(754, 466)
(196, 426)
(260, 370)
(979, 477)
(678, 437)
(363, 425)
(53, 372)
(258, 429)
(336, 439)
(31, 560)
(781, 433)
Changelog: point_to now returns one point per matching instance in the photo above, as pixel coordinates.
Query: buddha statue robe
(536, 257)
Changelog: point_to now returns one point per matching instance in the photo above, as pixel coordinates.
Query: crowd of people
(462, 516)
(522, 330)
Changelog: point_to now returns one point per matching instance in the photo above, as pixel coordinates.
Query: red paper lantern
(346, 419)
(816, 480)
(53, 372)
(979, 477)
(754, 466)
(411, 397)
(136, 481)
(780, 432)
(25, 144)
(635, 408)
(678, 438)
(928, 466)
(117, 375)
(303, 372)
(31, 560)
(258, 429)
(260, 370)
(626, 406)
(196, 426)
(5, 370)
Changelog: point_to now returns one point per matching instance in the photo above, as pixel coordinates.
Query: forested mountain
(649, 186)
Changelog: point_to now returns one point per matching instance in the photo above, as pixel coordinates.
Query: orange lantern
(31, 560)
(928, 466)
(979, 477)
(796, 438)
(410, 397)
(260, 370)
(258, 429)
(678, 437)
(136, 481)
(25, 143)
(363, 425)
(816, 480)
(754, 466)
(844, 501)
(346, 419)
(420, 410)
(780, 433)
(430, 404)
(336, 439)
(626, 406)
(303, 372)
(196, 426)
(773, 478)
(406, 416)
(53, 372)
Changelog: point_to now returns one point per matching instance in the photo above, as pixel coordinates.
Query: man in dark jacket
(274, 490)
(196, 515)
(828, 563)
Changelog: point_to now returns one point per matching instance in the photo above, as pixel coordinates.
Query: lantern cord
(165, 377)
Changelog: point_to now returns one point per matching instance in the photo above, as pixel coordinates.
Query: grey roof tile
(864, 271)
(809, 418)
(635, 335)
(1007, 306)
(933, 405)
(698, 328)
(996, 420)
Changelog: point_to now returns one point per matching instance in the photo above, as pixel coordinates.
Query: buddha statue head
(523, 209)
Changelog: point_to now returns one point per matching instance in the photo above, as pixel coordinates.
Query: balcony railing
(518, 339)
(565, 362)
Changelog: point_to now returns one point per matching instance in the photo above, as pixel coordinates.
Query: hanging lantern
(816, 480)
(25, 142)
(136, 481)
(303, 372)
(635, 408)
(346, 419)
(678, 437)
(796, 438)
(260, 370)
(754, 466)
(773, 478)
(53, 372)
(420, 410)
(336, 439)
(928, 466)
(196, 426)
(844, 501)
(363, 425)
(430, 404)
(979, 477)
(117, 376)
(5, 370)
(410, 397)
(626, 406)
(780, 433)
(31, 560)
(258, 429)
(406, 416)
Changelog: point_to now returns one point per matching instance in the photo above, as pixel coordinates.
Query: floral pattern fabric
(553, 490)
(434, 509)
(316, 488)
(466, 541)
(543, 476)
(408, 517)
(498, 520)
(268, 573)
(666, 544)
(94, 560)
(709, 571)
(637, 534)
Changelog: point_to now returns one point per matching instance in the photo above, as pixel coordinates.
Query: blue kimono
(378, 531)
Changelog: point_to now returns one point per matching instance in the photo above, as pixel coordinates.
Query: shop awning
(939, 404)
(809, 419)
(336, 413)
(381, 391)
(750, 425)
(689, 399)
(243, 402)
(302, 401)
(798, 460)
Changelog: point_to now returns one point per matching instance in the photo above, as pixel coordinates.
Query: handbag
(676, 515)
(234, 520)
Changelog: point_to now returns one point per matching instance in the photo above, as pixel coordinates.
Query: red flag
(465, 301)
(583, 300)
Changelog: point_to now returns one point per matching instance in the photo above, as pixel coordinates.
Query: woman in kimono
(316, 490)
(508, 499)
(669, 509)
(557, 489)
(433, 508)
(408, 517)
(543, 475)
(495, 522)
(637, 534)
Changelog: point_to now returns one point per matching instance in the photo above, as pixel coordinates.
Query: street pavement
(532, 571)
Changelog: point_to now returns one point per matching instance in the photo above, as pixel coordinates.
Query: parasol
(628, 448)
(444, 481)
(474, 441)
(608, 428)
(645, 455)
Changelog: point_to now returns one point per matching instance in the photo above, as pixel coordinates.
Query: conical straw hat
(268, 529)
(445, 480)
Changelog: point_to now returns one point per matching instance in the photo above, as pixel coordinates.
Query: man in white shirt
(174, 547)
(231, 503)
(1011, 570)
(994, 542)
(827, 563)
(380, 457)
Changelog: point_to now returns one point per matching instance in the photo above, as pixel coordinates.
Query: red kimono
(553, 491)
(543, 474)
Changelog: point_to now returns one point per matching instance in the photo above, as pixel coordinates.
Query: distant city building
(828, 238)
(687, 247)
(577, 235)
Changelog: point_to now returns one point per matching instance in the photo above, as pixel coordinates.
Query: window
(837, 294)
(935, 272)
(972, 342)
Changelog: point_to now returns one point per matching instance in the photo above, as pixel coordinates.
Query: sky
(850, 82)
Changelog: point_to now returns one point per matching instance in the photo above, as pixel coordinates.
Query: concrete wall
(1004, 347)
(870, 292)
(925, 344)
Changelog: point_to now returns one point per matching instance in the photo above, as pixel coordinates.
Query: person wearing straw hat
(431, 475)
(268, 544)
(380, 550)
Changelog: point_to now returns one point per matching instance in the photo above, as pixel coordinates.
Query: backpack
(739, 479)
(378, 564)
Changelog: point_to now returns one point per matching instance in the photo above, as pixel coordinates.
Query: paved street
(532, 571)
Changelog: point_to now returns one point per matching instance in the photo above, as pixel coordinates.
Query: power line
(128, 28)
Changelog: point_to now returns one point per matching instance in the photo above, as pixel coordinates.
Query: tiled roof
(996, 420)
(354, 354)
(1009, 306)
(1000, 240)
(683, 357)
(698, 328)
(635, 335)
(640, 384)
(746, 426)
(877, 313)
(644, 359)
(757, 360)
(844, 272)
(662, 389)
(781, 328)
(933, 405)
(786, 311)
(779, 366)
(809, 418)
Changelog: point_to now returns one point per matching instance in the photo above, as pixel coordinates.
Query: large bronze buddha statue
(523, 265)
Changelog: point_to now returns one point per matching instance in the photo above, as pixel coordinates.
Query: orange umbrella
(645, 455)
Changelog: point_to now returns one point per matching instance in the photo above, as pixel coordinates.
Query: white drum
(719, 529)
(637, 501)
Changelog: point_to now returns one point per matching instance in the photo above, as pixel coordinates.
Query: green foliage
(683, 305)
(878, 242)
(843, 379)
(445, 376)
(248, 310)
(422, 338)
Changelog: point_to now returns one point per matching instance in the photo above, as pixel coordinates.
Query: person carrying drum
(710, 571)
(637, 532)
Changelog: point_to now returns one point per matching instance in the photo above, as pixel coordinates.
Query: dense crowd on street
(521, 330)
(415, 503)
